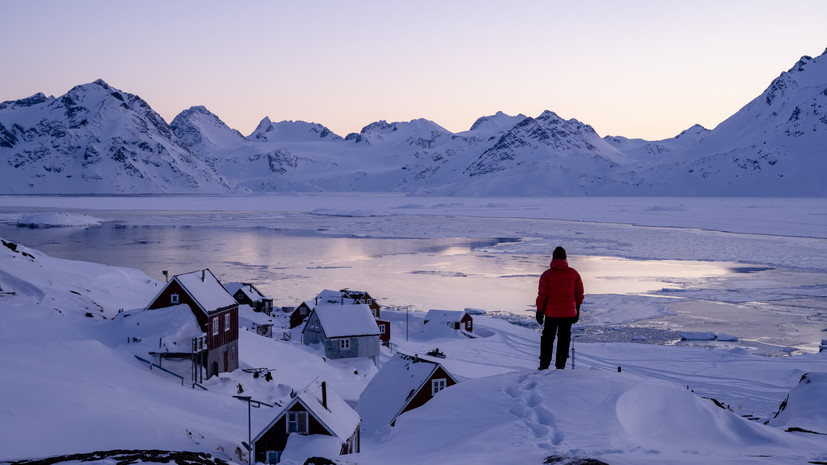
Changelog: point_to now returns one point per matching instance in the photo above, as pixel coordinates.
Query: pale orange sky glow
(645, 69)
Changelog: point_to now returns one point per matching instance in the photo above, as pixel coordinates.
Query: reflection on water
(451, 273)
(612, 275)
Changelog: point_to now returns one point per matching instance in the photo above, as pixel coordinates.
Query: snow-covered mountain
(775, 145)
(96, 139)
(250, 165)
(654, 151)
(547, 155)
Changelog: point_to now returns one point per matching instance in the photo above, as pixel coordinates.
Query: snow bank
(804, 409)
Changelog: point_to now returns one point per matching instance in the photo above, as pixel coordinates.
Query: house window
(174, 299)
(226, 322)
(437, 385)
(468, 326)
(215, 326)
(344, 344)
(381, 329)
(297, 422)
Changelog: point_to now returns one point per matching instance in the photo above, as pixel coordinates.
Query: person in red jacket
(559, 297)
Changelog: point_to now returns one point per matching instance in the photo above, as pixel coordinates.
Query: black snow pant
(561, 327)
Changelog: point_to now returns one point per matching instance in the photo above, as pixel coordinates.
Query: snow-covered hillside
(70, 375)
(96, 139)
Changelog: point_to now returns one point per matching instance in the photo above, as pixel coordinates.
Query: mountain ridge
(98, 139)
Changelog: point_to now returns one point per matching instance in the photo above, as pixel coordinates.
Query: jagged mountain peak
(201, 129)
(420, 131)
(291, 131)
(692, 131)
(498, 122)
(35, 99)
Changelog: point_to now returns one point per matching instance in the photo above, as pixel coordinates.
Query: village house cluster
(344, 324)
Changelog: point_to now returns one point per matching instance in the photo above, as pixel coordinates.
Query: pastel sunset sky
(635, 68)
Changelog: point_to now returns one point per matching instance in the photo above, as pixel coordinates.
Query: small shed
(345, 331)
(316, 412)
(248, 294)
(403, 383)
(454, 319)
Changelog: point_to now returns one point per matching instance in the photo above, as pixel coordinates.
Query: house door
(226, 361)
(214, 369)
(273, 456)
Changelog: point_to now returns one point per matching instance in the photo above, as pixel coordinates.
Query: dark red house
(404, 383)
(317, 414)
(214, 308)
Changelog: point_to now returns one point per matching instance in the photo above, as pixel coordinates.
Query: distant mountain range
(96, 139)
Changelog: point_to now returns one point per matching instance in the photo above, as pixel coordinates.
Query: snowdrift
(523, 417)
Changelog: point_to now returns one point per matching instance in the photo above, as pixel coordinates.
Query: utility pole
(247, 445)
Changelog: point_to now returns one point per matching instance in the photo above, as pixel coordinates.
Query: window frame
(344, 344)
(174, 298)
(215, 326)
(438, 384)
(227, 321)
(295, 418)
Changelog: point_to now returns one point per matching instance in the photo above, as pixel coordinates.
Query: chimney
(166, 275)
(324, 394)
(203, 276)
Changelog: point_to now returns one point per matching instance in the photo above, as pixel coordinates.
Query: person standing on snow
(559, 297)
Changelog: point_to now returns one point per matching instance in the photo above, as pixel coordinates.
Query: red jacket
(560, 291)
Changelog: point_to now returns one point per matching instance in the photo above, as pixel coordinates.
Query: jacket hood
(558, 264)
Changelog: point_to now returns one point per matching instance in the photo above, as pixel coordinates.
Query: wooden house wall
(467, 323)
(164, 300)
(224, 336)
(360, 346)
(299, 314)
(386, 335)
(242, 298)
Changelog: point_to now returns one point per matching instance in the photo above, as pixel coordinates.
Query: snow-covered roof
(346, 320)
(336, 416)
(207, 291)
(445, 315)
(175, 326)
(250, 290)
(344, 296)
(328, 296)
(390, 390)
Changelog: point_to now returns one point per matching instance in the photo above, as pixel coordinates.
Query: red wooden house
(214, 308)
(403, 383)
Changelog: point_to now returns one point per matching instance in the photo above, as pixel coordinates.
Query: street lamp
(250, 403)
